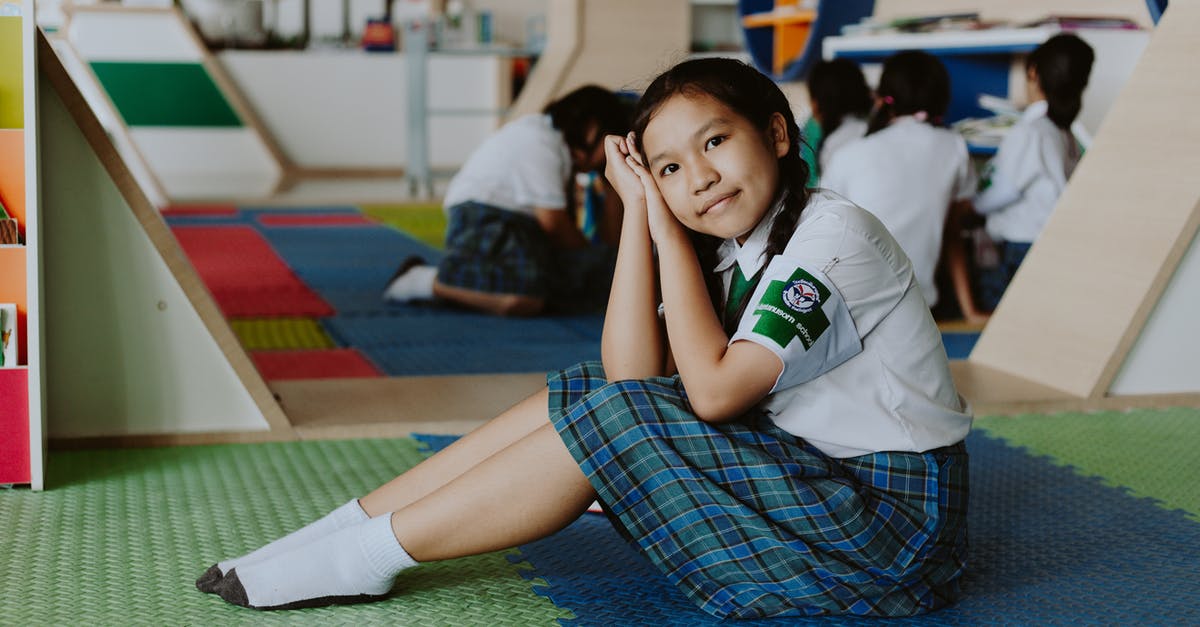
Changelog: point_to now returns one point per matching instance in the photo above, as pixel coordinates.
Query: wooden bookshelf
(22, 440)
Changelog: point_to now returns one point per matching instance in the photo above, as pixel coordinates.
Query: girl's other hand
(619, 173)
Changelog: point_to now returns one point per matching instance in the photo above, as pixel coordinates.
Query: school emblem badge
(801, 296)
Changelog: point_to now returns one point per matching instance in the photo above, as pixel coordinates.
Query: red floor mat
(245, 275)
(200, 210)
(313, 219)
(336, 363)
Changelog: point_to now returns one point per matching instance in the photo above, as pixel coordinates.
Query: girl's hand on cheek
(661, 221)
(619, 173)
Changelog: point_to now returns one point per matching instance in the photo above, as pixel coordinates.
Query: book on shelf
(8, 335)
(1070, 22)
(10, 230)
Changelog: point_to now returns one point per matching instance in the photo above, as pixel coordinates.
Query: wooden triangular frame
(137, 351)
(1081, 301)
(212, 66)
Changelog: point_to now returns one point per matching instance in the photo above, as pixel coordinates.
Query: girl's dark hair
(839, 89)
(912, 81)
(1063, 64)
(575, 112)
(755, 97)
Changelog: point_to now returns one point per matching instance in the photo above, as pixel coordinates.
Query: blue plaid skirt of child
(753, 522)
(490, 249)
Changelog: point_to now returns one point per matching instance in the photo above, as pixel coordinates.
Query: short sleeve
(540, 174)
(797, 313)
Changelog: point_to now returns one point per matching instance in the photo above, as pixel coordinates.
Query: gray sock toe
(208, 581)
(230, 588)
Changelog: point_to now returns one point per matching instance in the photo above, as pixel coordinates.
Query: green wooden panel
(165, 94)
(12, 99)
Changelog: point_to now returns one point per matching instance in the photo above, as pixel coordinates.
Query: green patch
(12, 76)
(426, 223)
(165, 94)
(119, 537)
(259, 334)
(792, 309)
(1152, 452)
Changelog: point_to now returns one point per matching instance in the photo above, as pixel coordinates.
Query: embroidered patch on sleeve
(792, 309)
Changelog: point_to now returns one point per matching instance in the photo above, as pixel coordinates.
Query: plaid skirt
(489, 249)
(751, 521)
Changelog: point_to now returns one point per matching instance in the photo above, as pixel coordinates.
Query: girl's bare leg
(465, 453)
(525, 492)
(497, 304)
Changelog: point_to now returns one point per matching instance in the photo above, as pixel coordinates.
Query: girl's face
(717, 173)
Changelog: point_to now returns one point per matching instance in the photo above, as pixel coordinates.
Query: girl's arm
(954, 251)
(560, 228)
(722, 380)
(632, 345)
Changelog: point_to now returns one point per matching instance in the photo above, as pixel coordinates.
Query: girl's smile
(716, 171)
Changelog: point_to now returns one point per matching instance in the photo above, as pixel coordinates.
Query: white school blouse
(851, 128)
(907, 175)
(522, 166)
(864, 369)
(1026, 177)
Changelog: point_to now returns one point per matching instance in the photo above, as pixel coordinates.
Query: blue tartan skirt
(490, 249)
(751, 521)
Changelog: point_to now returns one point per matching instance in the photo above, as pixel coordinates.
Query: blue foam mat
(1048, 547)
(959, 344)
(466, 357)
(405, 325)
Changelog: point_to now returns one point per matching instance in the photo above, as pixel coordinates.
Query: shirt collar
(749, 256)
(1035, 110)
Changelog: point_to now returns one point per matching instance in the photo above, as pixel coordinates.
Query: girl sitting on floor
(773, 422)
(908, 170)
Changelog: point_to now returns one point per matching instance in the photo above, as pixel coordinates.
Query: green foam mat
(258, 334)
(1153, 453)
(119, 538)
(426, 223)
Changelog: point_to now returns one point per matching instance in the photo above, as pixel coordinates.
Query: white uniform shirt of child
(876, 378)
(851, 128)
(1028, 174)
(907, 175)
(522, 166)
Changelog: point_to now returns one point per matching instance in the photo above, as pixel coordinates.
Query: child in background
(841, 102)
(1023, 181)
(773, 422)
(908, 170)
(513, 245)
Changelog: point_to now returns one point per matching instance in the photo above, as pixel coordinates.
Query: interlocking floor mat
(1049, 546)
(958, 344)
(333, 363)
(258, 334)
(426, 222)
(245, 275)
(120, 536)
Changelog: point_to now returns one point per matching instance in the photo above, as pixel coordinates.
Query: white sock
(355, 564)
(345, 516)
(416, 284)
